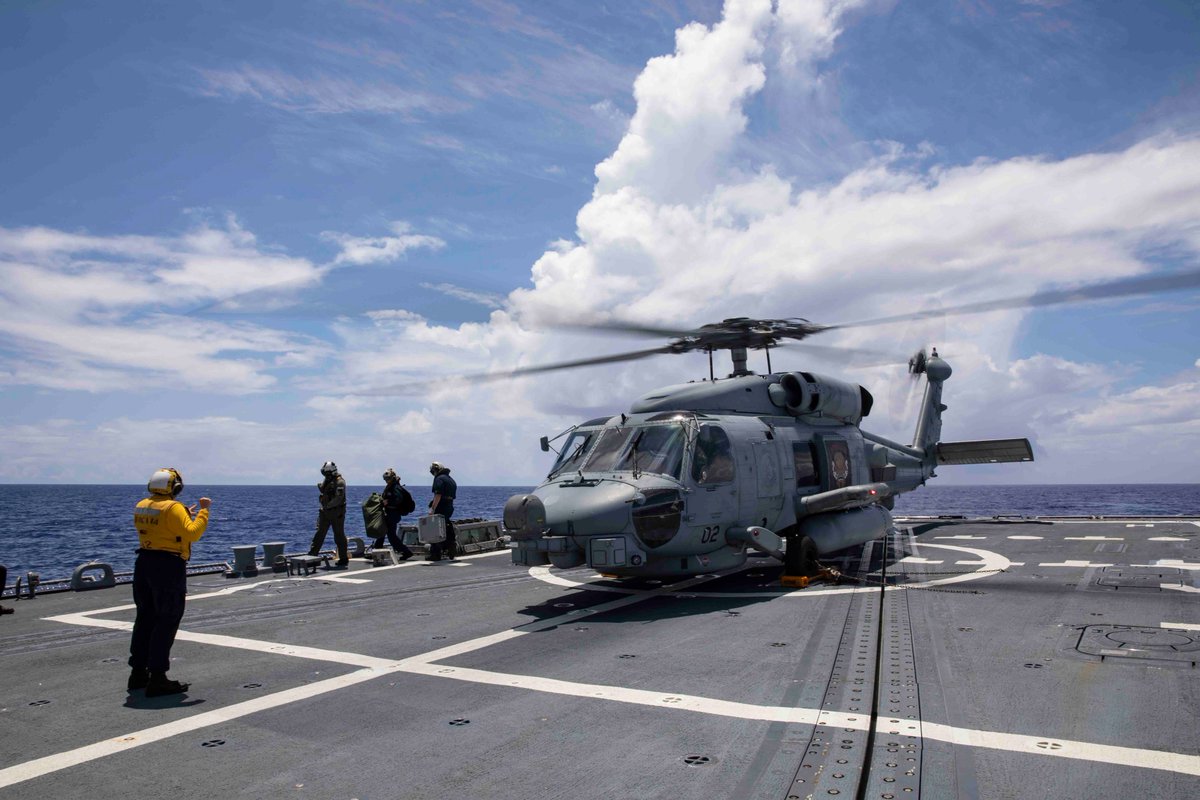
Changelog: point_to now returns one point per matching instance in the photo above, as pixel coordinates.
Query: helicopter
(694, 477)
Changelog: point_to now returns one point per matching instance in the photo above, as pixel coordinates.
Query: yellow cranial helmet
(165, 481)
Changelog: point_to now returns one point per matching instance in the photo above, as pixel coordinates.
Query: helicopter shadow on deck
(760, 575)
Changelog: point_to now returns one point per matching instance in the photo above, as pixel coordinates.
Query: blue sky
(219, 226)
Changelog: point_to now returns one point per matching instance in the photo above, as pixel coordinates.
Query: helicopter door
(713, 505)
(770, 481)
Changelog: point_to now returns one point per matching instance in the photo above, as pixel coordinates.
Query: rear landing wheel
(800, 559)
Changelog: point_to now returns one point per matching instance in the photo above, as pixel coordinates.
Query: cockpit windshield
(651, 448)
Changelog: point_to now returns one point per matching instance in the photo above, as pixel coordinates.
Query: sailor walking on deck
(396, 503)
(166, 530)
(3, 583)
(332, 514)
(444, 492)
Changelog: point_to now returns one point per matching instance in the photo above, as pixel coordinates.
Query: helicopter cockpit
(656, 445)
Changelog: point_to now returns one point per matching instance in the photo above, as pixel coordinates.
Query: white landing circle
(989, 563)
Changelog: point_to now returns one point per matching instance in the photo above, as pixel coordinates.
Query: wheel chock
(802, 581)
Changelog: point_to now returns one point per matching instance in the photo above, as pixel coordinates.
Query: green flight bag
(373, 520)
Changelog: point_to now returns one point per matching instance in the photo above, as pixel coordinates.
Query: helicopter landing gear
(800, 564)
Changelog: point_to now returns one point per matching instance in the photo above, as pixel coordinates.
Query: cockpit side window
(712, 461)
(573, 452)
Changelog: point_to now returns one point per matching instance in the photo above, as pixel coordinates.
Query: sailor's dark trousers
(397, 542)
(448, 548)
(335, 518)
(159, 592)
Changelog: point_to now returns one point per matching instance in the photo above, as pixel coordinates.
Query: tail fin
(927, 437)
(929, 419)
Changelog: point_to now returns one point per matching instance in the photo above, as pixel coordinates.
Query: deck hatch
(1144, 578)
(1126, 641)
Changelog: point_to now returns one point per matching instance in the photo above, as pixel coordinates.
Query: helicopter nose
(603, 508)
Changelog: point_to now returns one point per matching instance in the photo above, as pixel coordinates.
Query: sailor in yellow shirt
(166, 531)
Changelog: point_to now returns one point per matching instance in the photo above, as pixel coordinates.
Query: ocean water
(52, 529)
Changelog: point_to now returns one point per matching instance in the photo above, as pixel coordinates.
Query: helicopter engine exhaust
(804, 393)
(837, 530)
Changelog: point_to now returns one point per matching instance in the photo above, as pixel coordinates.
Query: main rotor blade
(877, 358)
(1125, 287)
(625, 327)
(484, 377)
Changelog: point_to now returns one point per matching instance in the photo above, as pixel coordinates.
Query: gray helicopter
(696, 476)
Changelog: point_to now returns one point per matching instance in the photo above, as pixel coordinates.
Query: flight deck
(997, 658)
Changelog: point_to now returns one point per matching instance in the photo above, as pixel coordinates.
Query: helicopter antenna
(767, 350)
(711, 376)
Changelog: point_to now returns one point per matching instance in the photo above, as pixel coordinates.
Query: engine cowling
(805, 394)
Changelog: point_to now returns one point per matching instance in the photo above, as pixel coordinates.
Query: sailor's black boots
(159, 685)
(139, 678)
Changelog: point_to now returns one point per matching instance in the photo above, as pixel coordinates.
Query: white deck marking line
(1067, 748)
(546, 576)
(991, 562)
(993, 740)
(256, 584)
(1150, 759)
(423, 665)
(1180, 626)
(1173, 563)
(121, 744)
(416, 562)
(968, 563)
(379, 667)
(1072, 564)
(1093, 538)
(1025, 538)
(239, 643)
(919, 560)
(1167, 539)
(960, 536)
(1179, 588)
(1124, 522)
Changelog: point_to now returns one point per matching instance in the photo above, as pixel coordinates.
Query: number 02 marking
(710, 533)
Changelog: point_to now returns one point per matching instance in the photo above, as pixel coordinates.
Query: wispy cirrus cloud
(485, 299)
(361, 250)
(320, 94)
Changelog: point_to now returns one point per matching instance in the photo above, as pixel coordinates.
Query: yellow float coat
(164, 524)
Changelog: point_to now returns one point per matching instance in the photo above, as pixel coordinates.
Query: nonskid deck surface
(1017, 659)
